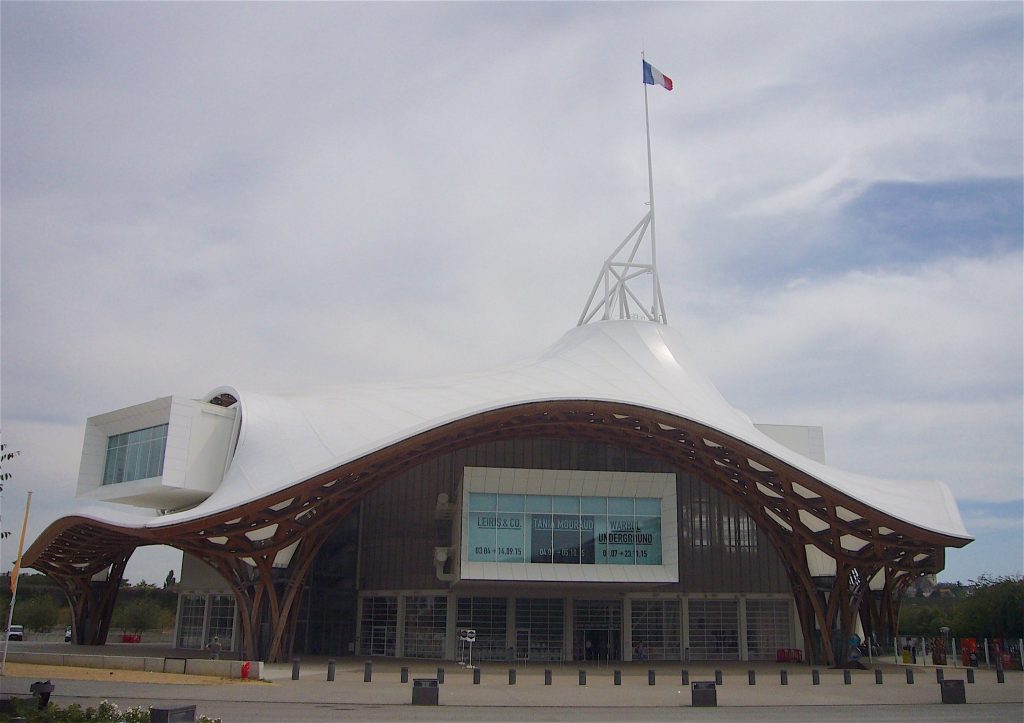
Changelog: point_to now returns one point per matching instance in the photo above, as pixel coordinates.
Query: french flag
(653, 76)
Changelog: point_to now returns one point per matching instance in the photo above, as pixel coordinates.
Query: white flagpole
(650, 175)
(657, 304)
(14, 584)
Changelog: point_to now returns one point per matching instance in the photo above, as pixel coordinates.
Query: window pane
(510, 539)
(132, 463)
(540, 538)
(567, 504)
(538, 503)
(135, 455)
(566, 538)
(650, 507)
(620, 505)
(483, 501)
(648, 540)
(511, 503)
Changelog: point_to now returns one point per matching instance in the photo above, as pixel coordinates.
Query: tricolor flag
(653, 76)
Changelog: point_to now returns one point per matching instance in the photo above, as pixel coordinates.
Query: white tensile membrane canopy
(286, 439)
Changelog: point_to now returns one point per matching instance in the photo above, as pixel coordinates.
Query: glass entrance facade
(535, 629)
(714, 630)
(656, 630)
(769, 626)
(540, 627)
(425, 623)
(378, 625)
(488, 616)
(597, 630)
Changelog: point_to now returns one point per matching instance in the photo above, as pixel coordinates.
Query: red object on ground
(245, 670)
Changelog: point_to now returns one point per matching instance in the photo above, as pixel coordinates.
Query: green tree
(922, 619)
(995, 609)
(37, 613)
(140, 614)
(6, 456)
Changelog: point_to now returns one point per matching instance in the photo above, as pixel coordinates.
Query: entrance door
(378, 640)
(597, 633)
(597, 644)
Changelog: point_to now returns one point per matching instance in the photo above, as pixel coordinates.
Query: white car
(16, 632)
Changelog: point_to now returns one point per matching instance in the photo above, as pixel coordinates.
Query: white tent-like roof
(288, 438)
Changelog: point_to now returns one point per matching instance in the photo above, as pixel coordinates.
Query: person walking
(214, 648)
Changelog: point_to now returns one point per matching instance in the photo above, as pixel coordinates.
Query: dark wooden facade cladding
(399, 530)
(74, 549)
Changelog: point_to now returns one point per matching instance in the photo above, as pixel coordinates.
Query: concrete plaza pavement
(312, 698)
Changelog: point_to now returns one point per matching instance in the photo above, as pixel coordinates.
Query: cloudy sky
(279, 196)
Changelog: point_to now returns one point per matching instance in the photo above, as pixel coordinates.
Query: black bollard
(846, 677)
(815, 677)
(878, 676)
(330, 671)
(547, 676)
(511, 676)
(618, 677)
(970, 675)
(440, 676)
(783, 677)
(650, 677)
(751, 677)
(404, 672)
(939, 676)
(368, 671)
(583, 677)
(476, 676)
(910, 676)
(718, 677)
(1000, 675)
(295, 668)
(684, 677)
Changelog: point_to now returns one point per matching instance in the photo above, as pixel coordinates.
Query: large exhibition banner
(563, 529)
